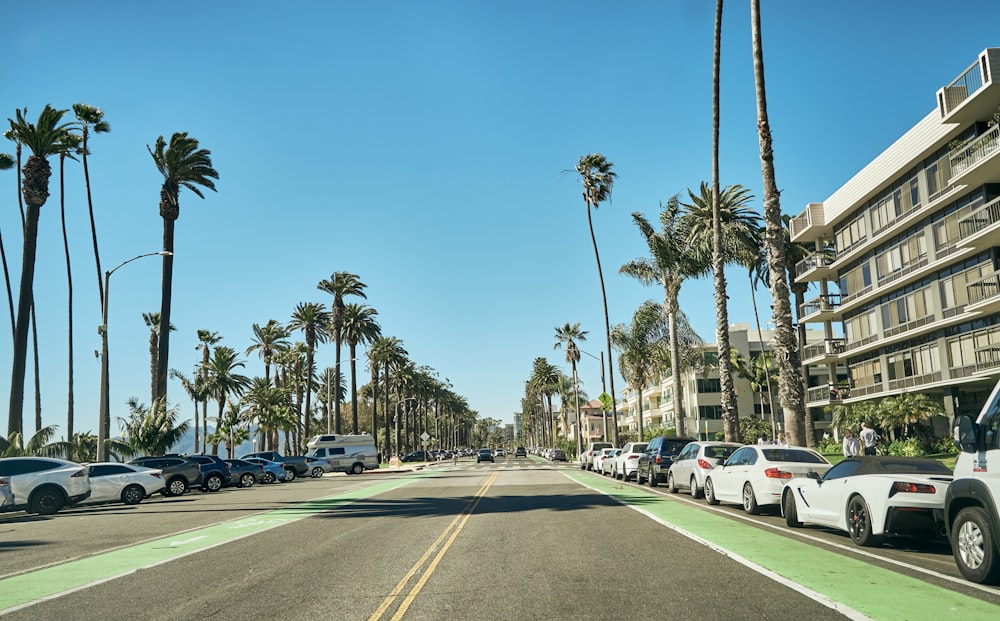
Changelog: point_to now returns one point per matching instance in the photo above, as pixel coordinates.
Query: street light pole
(104, 421)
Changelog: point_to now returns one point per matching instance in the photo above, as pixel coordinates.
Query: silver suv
(588, 454)
(45, 485)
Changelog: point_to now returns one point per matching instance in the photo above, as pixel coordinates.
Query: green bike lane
(21, 590)
(850, 585)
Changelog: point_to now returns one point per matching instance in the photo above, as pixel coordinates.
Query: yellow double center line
(447, 537)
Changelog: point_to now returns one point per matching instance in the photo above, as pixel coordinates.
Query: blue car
(273, 471)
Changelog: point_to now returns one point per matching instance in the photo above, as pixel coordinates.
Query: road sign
(425, 436)
(605, 400)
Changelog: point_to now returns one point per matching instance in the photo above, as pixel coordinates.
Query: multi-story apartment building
(906, 258)
(700, 394)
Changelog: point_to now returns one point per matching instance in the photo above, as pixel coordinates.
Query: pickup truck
(295, 466)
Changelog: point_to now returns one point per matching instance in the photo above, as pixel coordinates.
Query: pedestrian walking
(851, 445)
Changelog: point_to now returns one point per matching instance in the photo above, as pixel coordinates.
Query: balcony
(816, 266)
(981, 229)
(968, 161)
(984, 294)
(988, 358)
(831, 393)
(821, 308)
(809, 223)
(970, 97)
(827, 351)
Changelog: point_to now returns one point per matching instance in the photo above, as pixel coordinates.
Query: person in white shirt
(869, 439)
(851, 446)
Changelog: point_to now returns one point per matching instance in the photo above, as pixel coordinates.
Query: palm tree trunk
(6, 280)
(767, 369)
(675, 365)
(337, 425)
(93, 222)
(163, 359)
(607, 323)
(15, 421)
(69, 298)
(790, 380)
(354, 388)
(308, 377)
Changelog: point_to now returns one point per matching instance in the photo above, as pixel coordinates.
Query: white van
(350, 453)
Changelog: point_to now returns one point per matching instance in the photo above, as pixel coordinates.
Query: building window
(709, 385)
(710, 412)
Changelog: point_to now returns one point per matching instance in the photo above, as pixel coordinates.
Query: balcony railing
(822, 303)
(816, 259)
(962, 88)
(987, 358)
(830, 392)
(968, 155)
(980, 219)
(829, 347)
(984, 288)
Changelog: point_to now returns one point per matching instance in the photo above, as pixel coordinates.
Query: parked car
(351, 453)
(44, 485)
(971, 502)
(318, 467)
(627, 461)
(214, 471)
(694, 462)
(870, 497)
(416, 456)
(295, 465)
(7, 502)
(273, 471)
(755, 475)
(484, 454)
(126, 483)
(179, 473)
(243, 473)
(587, 456)
(601, 456)
(557, 455)
(658, 457)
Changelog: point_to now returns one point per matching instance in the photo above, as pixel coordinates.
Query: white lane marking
(184, 542)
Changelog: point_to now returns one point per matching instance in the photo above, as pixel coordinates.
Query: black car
(520, 452)
(179, 473)
(243, 473)
(416, 456)
(214, 471)
(659, 456)
(484, 454)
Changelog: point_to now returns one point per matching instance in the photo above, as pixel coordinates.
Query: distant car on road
(484, 454)
(520, 452)
(416, 456)
(557, 455)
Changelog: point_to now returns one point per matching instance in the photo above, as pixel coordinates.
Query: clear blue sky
(421, 146)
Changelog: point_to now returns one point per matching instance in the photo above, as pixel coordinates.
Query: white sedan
(755, 475)
(127, 483)
(603, 457)
(627, 462)
(870, 497)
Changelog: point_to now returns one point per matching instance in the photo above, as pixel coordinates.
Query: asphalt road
(519, 539)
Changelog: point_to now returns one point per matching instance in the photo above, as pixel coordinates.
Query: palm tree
(598, 180)
(151, 431)
(268, 340)
(13, 445)
(197, 390)
(314, 322)
(89, 117)
(387, 352)
(544, 380)
(152, 321)
(71, 141)
(358, 326)
(222, 380)
(641, 347)
(725, 228)
(760, 372)
(206, 339)
(6, 163)
(183, 165)
(45, 138)
(331, 387)
(790, 388)
(267, 406)
(340, 285)
(568, 335)
(671, 261)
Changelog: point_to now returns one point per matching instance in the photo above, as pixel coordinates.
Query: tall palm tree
(6, 163)
(598, 180)
(641, 347)
(722, 224)
(222, 379)
(314, 322)
(545, 379)
(183, 165)
(760, 372)
(387, 352)
(45, 138)
(268, 340)
(90, 118)
(359, 326)
(71, 141)
(266, 406)
(206, 340)
(568, 335)
(197, 391)
(331, 387)
(730, 414)
(340, 285)
(790, 388)
(152, 321)
(671, 261)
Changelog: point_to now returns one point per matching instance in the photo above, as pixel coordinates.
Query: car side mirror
(812, 474)
(966, 436)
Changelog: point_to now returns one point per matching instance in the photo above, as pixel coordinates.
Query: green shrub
(830, 446)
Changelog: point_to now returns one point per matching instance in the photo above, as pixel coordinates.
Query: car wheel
(247, 480)
(710, 493)
(290, 474)
(653, 478)
(213, 483)
(671, 484)
(133, 495)
(859, 523)
(693, 488)
(973, 547)
(358, 469)
(175, 487)
(638, 477)
(269, 477)
(317, 472)
(46, 501)
(750, 500)
(791, 513)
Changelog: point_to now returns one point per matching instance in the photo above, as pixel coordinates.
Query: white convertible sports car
(871, 497)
